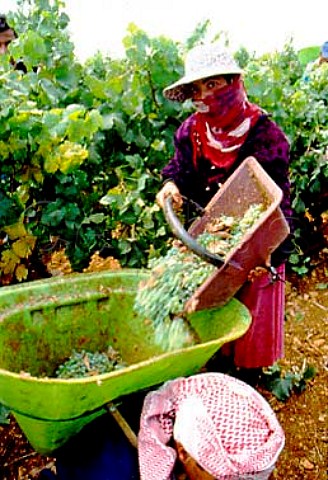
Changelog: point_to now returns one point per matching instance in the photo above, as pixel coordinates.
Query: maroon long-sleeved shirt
(265, 141)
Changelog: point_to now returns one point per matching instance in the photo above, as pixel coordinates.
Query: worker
(7, 35)
(210, 144)
(209, 426)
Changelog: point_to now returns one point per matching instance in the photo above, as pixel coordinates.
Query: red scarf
(218, 133)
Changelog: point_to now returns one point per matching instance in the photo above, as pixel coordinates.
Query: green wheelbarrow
(42, 322)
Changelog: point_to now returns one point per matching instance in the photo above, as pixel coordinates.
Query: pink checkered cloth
(223, 423)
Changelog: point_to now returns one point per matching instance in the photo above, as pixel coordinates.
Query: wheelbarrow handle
(186, 238)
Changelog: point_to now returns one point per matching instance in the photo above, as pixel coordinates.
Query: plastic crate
(248, 185)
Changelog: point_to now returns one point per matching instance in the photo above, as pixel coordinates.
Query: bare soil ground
(303, 416)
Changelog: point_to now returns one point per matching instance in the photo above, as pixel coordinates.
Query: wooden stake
(127, 430)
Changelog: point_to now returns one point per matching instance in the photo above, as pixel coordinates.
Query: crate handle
(180, 232)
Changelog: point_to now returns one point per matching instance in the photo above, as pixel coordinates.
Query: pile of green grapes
(175, 277)
(86, 364)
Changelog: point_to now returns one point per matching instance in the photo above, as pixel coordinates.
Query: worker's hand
(169, 190)
(256, 273)
(259, 271)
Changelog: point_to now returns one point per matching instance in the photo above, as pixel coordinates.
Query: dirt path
(303, 416)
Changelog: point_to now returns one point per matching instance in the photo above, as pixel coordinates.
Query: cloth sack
(223, 424)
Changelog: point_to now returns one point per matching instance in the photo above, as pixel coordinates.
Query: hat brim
(180, 91)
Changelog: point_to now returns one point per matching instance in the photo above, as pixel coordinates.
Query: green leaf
(10, 210)
(308, 54)
(94, 122)
(34, 47)
(124, 246)
(310, 372)
(114, 120)
(161, 232)
(128, 217)
(97, 87)
(112, 199)
(282, 388)
(67, 75)
(96, 218)
(50, 90)
(4, 415)
(52, 215)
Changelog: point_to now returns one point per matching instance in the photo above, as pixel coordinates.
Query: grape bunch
(86, 364)
(175, 277)
(229, 231)
(173, 280)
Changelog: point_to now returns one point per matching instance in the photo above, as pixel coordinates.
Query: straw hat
(222, 423)
(203, 61)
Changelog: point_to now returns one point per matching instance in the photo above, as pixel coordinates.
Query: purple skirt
(263, 343)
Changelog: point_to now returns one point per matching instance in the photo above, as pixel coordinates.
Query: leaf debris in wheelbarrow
(86, 364)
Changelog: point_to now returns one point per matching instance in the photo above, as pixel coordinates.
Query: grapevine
(175, 277)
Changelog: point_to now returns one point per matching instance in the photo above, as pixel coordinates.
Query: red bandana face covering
(222, 124)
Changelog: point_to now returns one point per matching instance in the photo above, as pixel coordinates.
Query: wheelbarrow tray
(42, 322)
(248, 185)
